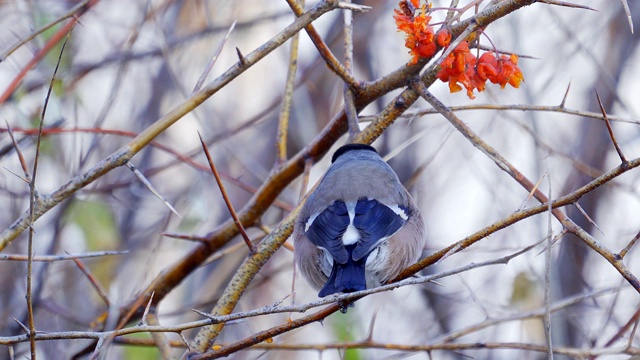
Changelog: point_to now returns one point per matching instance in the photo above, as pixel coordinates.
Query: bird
(359, 228)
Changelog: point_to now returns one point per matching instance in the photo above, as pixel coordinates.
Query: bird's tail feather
(345, 278)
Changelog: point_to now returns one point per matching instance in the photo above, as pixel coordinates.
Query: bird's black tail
(347, 277)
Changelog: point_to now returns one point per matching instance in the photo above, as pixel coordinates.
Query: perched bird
(360, 227)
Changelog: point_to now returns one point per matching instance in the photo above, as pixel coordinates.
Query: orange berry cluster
(421, 39)
(460, 68)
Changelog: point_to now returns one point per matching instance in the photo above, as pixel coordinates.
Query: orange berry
(486, 71)
(443, 37)
(487, 58)
(426, 50)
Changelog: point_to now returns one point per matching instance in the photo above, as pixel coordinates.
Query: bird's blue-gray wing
(327, 229)
(375, 221)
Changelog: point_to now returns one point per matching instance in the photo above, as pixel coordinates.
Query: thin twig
(233, 213)
(330, 59)
(287, 99)
(349, 97)
(547, 278)
(514, 107)
(351, 112)
(32, 200)
(502, 52)
(47, 258)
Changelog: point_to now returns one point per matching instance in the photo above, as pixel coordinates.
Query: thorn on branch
(214, 58)
(151, 188)
(564, 98)
(93, 281)
(627, 11)
(213, 319)
(233, 213)
(241, 57)
(566, 4)
(145, 314)
(22, 326)
(23, 162)
(589, 219)
(610, 129)
(626, 249)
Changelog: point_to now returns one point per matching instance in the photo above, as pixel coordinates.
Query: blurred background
(128, 62)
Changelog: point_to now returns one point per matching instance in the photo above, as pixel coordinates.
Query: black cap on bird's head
(349, 147)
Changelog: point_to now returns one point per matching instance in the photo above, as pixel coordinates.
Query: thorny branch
(120, 157)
